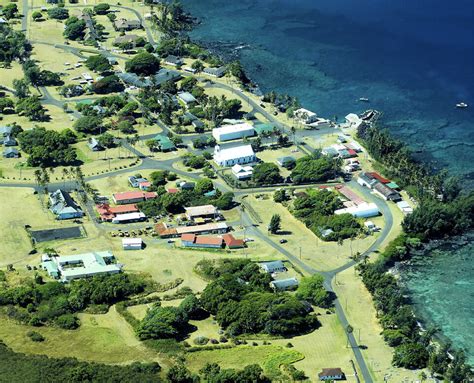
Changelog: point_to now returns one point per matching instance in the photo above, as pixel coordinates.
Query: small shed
(132, 243)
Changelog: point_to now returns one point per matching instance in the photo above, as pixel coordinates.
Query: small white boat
(364, 99)
(461, 105)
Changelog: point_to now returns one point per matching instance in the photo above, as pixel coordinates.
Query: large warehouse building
(233, 132)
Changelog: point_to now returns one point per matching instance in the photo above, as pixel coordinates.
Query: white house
(187, 98)
(365, 210)
(233, 132)
(239, 155)
(132, 243)
(242, 172)
(306, 116)
(71, 267)
(129, 217)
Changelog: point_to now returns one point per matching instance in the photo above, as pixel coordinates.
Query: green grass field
(269, 357)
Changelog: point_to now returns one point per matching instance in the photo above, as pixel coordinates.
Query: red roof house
(379, 178)
(232, 242)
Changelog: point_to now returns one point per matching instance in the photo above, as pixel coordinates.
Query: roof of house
(165, 142)
(216, 71)
(233, 153)
(202, 228)
(213, 241)
(186, 97)
(350, 195)
(197, 211)
(62, 202)
(5, 130)
(129, 217)
(173, 59)
(393, 185)
(272, 265)
(172, 190)
(328, 372)
(132, 241)
(379, 178)
(236, 169)
(106, 210)
(128, 195)
(125, 39)
(8, 151)
(285, 159)
(93, 143)
(236, 128)
(284, 283)
(233, 242)
(384, 190)
(189, 237)
(164, 231)
(164, 75)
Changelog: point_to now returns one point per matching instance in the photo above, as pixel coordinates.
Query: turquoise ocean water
(413, 59)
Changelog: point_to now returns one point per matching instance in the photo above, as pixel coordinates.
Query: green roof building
(263, 128)
(165, 143)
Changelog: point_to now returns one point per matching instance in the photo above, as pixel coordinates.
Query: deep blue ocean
(413, 59)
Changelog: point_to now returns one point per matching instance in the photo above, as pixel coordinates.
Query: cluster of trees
(48, 148)
(89, 124)
(315, 168)
(194, 161)
(253, 373)
(171, 18)
(413, 349)
(107, 84)
(10, 11)
(6, 104)
(239, 296)
(437, 219)
(168, 322)
(316, 210)
(217, 109)
(37, 77)
(143, 63)
(266, 173)
(53, 303)
(58, 13)
(98, 63)
(75, 29)
(174, 203)
(283, 102)
(17, 367)
(31, 107)
(183, 46)
(312, 289)
(203, 142)
(101, 8)
(13, 44)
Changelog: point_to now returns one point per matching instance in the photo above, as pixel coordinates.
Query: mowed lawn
(358, 306)
(105, 338)
(18, 207)
(269, 357)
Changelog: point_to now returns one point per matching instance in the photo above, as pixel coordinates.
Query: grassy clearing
(101, 338)
(269, 357)
(15, 243)
(359, 308)
(318, 254)
(7, 75)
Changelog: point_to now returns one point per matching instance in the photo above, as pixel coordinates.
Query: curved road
(149, 163)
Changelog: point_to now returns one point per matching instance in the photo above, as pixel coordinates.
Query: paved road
(149, 163)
